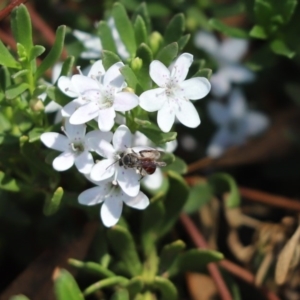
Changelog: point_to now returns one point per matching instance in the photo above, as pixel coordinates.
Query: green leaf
(124, 28)
(194, 260)
(258, 32)
(54, 53)
(143, 12)
(15, 90)
(52, 204)
(279, 47)
(166, 288)
(167, 54)
(21, 27)
(36, 51)
(169, 254)
(140, 31)
(221, 183)
(199, 195)
(6, 59)
(67, 66)
(130, 77)
(66, 288)
(227, 30)
(178, 165)
(175, 29)
(183, 41)
(92, 268)
(21, 73)
(203, 73)
(135, 286)
(57, 95)
(109, 58)
(8, 184)
(120, 294)
(174, 202)
(156, 135)
(5, 78)
(5, 124)
(127, 253)
(108, 282)
(106, 37)
(19, 297)
(35, 133)
(288, 10)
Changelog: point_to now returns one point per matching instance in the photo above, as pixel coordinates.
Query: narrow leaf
(6, 59)
(36, 51)
(135, 286)
(167, 289)
(120, 294)
(15, 90)
(130, 77)
(106, 37)
(52, 204)
(8, 184)
(175, 29)
(54, 53)
(143, 12)
(227, 30)
(167, 54)
(279, 47)
(258, 32)
(203, 73)
(140, 31)
(156, 135)
(183, 41)
(178, 165)
(109, 58)
(67, 66)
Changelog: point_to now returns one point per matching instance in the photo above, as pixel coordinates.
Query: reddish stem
(7, 10)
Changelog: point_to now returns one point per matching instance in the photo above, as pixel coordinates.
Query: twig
(212, 267)
(6, 11)
(270, 199)
(234, 269)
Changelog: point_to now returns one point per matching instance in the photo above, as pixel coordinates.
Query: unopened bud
(136, 64)
(155, 40)
(36, 105)
(128, 89)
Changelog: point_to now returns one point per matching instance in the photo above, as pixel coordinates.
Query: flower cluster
(101, 95)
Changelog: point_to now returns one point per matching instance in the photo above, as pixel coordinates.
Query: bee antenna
(112, 164)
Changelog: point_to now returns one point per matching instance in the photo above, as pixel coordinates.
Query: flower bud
(136, 64)
(36, 105)
(155, 40)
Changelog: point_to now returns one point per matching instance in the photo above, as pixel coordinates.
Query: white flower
(172, 97)
(74, 146)
(236, 123)
(112, 197)
(99, 95)
(227, 54)
(127, 178)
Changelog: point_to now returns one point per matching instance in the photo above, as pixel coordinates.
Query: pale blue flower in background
(235, 121)
(228, 54)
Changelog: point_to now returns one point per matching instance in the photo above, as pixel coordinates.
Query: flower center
(172, 87)
(77, 147)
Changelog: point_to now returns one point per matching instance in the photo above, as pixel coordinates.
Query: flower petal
(55, 141)
(64, 161)
(195, 88)
(218, 112)
(206, 41)
(220, 83)
(103, 169)
(122, 139)
(153, 181)
(233, 50)
(84, 162)
(113, 76)
(65, 85)
(238, 74)
(125, 101)
(85, 113)
(56, 70)
(141, 201)
(181, 67)
(93, 195)
(129, 181)
(187, 114)
(75, 133)
(97, 70)
(106, 118)
(84, 83)
(153, 100)
(98, 136)
(219, 142)
(102, 147)
(166, 117)
(71, 107)
(256, 123)
(111, 210)
(159, 73)
(237, 103)
(52, 107)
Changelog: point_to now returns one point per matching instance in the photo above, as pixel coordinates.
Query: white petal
(97, 69)
(141, 201)
(220, 141)
(153, 181)
(66, 86)
(238, 74)
(113, 76)
(103, 169)
(71, 107)
(84, 162)
(170, 146)
(85, 113)
(159, 73)
(233, 49)
(122, 138)
(218, 112)
(256, 123)
(84, 83)
(195, 88)
(166, 117)
(129, 181)
(64, 161)
(55, 141)
(181, 67)
(56, 70)
(125, 101)
(207, 41)
(98, 136)
(52, 107)
(220, 83)
(75, 133)
(187, 114)
(111, 210)
(93, 195)
(106, 118)
(102, 147)
(139, 139)
(153, 100)
(237, 103)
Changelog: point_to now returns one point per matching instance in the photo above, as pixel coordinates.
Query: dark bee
(144, 161)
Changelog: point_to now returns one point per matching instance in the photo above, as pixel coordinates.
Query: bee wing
(160, 163)
(152, 154)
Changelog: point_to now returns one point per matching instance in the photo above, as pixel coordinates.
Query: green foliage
(109, 58)
(227, 30)
(53, 202)
(6, 59)
(167, 54)
(106, 37)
